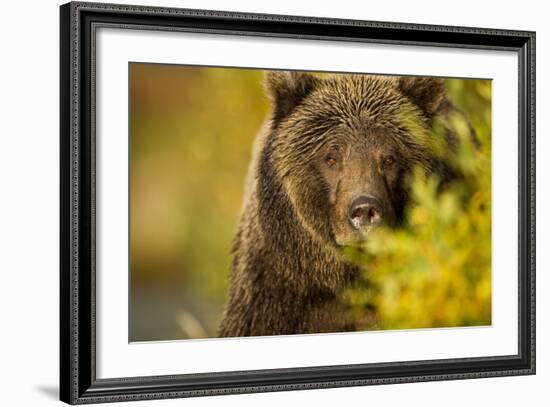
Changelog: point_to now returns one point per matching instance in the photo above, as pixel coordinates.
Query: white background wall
(29, 163)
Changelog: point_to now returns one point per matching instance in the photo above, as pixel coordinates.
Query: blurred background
(191, 135)
(192, 130)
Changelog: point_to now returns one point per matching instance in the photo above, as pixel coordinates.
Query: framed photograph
(255, 203)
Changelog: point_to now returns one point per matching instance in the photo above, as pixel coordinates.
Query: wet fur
(286, 270)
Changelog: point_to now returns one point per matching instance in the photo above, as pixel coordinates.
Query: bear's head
(344, 145)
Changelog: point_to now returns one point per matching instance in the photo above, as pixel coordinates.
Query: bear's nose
(365, 211)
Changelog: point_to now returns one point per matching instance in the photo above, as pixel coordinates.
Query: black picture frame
(78, 382)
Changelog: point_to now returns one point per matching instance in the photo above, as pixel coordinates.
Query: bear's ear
(428, 94)
(287, 89)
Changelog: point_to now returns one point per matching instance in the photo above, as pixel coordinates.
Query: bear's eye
(331, 161)
(389, 160)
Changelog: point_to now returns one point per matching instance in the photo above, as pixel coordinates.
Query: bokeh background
(191, 135)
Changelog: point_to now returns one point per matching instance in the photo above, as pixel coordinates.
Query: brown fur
(287, 269)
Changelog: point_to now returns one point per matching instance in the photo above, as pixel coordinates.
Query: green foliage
(435, 270)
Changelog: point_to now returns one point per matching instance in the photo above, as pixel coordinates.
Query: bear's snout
(365, 211)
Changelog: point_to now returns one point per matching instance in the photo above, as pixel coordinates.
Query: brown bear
(329, 166)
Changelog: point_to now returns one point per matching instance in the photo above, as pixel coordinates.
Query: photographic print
(269, 202)
(255, 202)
